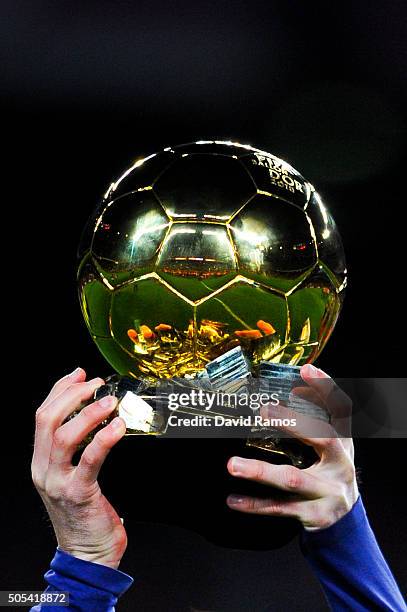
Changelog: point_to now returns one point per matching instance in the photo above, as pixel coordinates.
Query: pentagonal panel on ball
(206, 187)
(274, 242)
(196, 258)
(277, 177)
(128, 236)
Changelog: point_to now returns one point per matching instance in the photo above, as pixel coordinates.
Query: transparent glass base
(146, 413)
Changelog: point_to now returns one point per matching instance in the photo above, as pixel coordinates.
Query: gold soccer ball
(203, 247)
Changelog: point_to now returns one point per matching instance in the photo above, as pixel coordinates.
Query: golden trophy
(203, 251)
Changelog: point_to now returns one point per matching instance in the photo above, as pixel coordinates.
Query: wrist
(101, 558)
(89, 545)
(334, 510)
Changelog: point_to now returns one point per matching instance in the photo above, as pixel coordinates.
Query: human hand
(85, 523)
(319, 495)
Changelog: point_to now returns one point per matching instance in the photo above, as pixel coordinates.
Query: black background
(86, 89)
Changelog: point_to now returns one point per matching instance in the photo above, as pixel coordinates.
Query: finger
(71, 434)
(317, 379)
(299, 421)
(78, 375)
(307, 394)
(49, 418)
(271, 507)
(313, 432)
(308, 401)
(283, 477)
(96, 452)
(337, 402)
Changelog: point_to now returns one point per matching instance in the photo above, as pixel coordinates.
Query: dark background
(86, 88)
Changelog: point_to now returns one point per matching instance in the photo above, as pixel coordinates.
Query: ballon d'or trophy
(206, 263)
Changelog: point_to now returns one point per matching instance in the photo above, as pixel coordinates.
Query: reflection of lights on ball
(204, 247)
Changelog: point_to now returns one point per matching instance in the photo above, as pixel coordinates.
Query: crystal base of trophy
(146, 412)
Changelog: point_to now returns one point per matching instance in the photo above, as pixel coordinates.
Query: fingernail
(238, 464)
(234, 500)
(117, 423)
(107, 401)
(311, 370)
(75, 372)
(96, 381)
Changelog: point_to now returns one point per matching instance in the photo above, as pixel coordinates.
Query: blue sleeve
(92, 587)
(350, 566)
